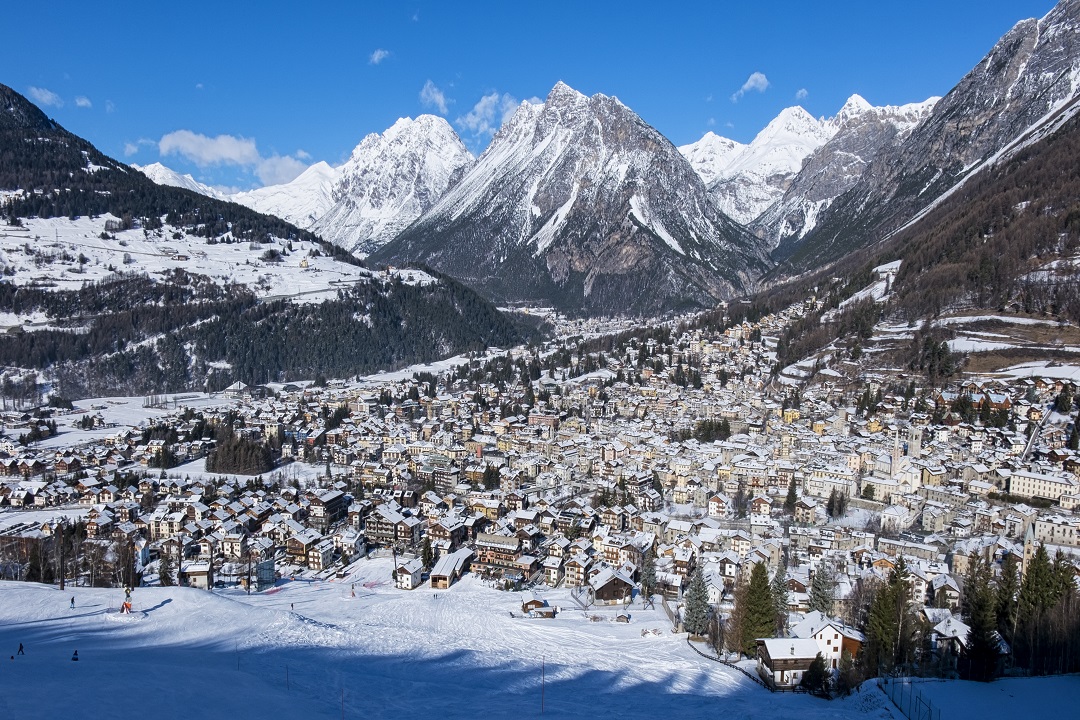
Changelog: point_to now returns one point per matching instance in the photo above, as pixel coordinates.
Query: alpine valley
(577, 204)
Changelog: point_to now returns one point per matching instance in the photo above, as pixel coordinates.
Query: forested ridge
(190, 333)
(136, 334)
(1003, 242)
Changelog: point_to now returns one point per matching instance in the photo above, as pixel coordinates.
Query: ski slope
(382, 653)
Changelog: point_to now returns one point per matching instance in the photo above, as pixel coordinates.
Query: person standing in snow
(72, 602)
(20, 650)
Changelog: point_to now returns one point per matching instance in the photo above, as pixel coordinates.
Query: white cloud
(279, 169)
(41, 96)
(198, 86)
(489, 114)
(205, 151)
(378, 56)
(109, 107)
(711, 122)
(83, 102)
(431, 96)
(130, 148)
(757, 81)
(801, 94)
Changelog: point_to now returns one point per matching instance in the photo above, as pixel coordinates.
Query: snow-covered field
(65, 254)
(47, 251)
(312, 649)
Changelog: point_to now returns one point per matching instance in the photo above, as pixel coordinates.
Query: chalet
(408, 574)
(782, 661)
(833, 637)
(576, 570)
(611, 586)
(326, 509)
(298, 546)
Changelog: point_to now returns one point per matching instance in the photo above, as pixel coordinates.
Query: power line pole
(61, 553)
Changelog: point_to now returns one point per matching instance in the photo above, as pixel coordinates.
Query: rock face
(747, 179)
(580, 204)
(1026, 85)
(862, 132)
(390, 180)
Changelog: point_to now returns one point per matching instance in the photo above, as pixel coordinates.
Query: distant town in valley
(666, 467)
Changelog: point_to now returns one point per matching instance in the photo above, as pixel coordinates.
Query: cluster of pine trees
(233, 454)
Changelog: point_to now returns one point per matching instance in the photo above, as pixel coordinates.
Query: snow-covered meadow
(360, 647)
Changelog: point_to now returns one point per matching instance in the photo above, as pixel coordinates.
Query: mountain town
(674, 462)
(534, 408)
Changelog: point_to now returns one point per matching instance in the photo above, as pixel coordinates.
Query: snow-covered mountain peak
(710, 155)
(579, 203)
(746, 179)
(390, 179)
(854, 106)
(163, 175)
(793, 124)
(563, 94)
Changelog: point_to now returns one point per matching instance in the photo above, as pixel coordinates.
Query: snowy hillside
(47, 252)
(312, 649)
(301, 201)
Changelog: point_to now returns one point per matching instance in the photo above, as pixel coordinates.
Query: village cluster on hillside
(555, 466)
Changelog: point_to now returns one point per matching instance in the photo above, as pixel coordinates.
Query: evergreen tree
(760, 618)
(890, 631)
(733, 627)
(830, 506)
(822, 593)
(1008, 586)
(1064, 401)
(696, 605)
(816, 678)
(427, 554)
(165, 570)
(791, 499)
(847, 675)
(981, 654)
(780, 597)
(648, 573)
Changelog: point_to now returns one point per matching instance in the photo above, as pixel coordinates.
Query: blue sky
(246, 94)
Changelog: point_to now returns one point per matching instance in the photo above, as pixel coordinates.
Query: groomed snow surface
(384, 653)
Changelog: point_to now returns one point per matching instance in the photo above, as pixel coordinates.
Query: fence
(676, 622)
(733, 666)
(908, 699)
